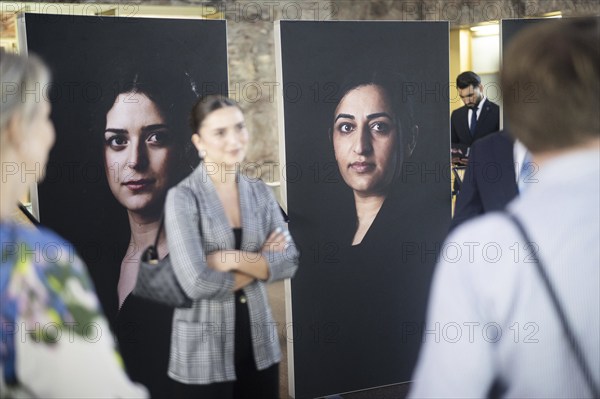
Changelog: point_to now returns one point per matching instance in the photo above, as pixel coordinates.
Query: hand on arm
(241, 280)
(276, 241)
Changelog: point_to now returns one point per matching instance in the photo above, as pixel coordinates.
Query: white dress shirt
(479, 108)
(490, 316)
(519, 152)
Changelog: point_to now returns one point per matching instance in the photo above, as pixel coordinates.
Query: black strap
(150, 254)
(160, 227)
(573, 343)
(28, 214)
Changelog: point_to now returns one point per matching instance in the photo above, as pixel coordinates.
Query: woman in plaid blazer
(226, 239)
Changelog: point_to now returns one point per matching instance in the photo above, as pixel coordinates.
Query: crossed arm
(214, 275)
(248, 266)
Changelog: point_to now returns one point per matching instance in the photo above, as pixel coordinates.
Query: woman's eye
(240, 126)
(345, 127)
(159, 138)
(116, 141)
(380, 127)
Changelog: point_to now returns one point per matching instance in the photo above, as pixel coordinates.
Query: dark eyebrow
(343, 116)
(156, 126)
(117, 131)
(378, 115)
(145, 129)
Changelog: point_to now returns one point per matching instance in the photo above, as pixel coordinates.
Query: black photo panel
(367, 179)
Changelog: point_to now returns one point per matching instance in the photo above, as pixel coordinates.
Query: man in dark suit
(476, 119)
(490, 180)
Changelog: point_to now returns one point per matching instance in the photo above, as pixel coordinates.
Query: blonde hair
(21, 79)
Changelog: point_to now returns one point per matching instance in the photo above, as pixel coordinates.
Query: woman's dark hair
(206, 105)
(392, 84)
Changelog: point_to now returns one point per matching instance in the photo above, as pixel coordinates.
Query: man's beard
(474, 106)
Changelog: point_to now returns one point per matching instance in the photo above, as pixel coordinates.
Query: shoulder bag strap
(573, 343)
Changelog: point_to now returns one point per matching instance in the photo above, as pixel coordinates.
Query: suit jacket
(489, 183)
(202, 341)
(488, 122)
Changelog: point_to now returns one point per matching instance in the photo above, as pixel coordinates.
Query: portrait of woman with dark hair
(372, 212)
(372, 134)
(365, 146)
(146, 149)
(146, 146)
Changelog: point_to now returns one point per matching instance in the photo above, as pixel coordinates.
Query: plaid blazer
(202, 339)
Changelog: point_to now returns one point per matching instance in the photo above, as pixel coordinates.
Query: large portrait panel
(108, 75)
(366, 175)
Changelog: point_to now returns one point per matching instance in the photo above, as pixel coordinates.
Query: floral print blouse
(51, 321)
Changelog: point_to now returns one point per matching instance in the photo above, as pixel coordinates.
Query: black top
(144, 334)
(237, 232)
(243, 353)
(367, 302)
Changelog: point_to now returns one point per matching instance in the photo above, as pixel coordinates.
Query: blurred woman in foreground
(54, 339)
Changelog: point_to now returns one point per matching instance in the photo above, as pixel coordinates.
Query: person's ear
(14, 132)
(197, 141)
